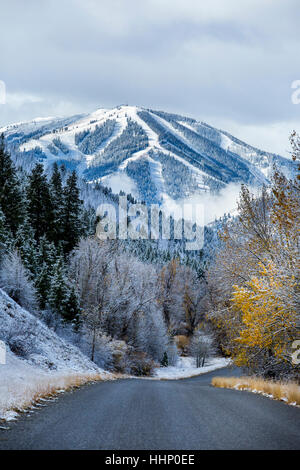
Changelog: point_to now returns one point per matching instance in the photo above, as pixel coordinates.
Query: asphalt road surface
(136, 414)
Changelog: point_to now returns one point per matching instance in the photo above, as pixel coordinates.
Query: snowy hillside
(33, 341)
(156, 156)
(38, 362)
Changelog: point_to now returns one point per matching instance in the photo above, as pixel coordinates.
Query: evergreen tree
(59, 292)
(46, 257)
(40, 210)
(56, 190)
(27, 246)
(72, 309)
(72, 224)
(47, 252)
(5, 235)
(2, 232)
(89, 221)
(165, 360)
(11, 198)
(43, 285)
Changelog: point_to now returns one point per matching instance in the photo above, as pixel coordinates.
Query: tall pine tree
(59, 290)
(43, 285)
(39, 207)
(72, 309)
(5, 235)
(46, 256)
(11, 198)
(27, 246)
(56, 190)
(72, 211)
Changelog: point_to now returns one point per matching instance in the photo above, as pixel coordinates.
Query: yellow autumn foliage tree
(268, 320)
(254, 283)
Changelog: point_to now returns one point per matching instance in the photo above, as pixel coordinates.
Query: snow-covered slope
(38, 363)
(154, 155)
(35, 343)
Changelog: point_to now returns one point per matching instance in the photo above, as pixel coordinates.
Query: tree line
(122, 311)
(253, 284)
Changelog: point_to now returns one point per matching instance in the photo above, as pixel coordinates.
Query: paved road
(145, 414)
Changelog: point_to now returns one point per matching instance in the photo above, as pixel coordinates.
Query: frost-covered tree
(56, 190)
(193, 296)
(118, 296)
(59, 290)
(39, 205)
(11, 197)
(201, 347)
(71, 214)
(27, 245)
(253, 285)
(43, 284)
(72, 308)
(5, 235)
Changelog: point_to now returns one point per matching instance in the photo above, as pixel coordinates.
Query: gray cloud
(229, 63)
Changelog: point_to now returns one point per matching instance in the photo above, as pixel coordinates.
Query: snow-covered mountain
(154, 155)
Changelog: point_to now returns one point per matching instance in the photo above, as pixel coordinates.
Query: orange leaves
(268, 321)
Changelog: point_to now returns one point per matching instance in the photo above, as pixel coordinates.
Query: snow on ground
(153, 138)
(22, 384)
(44, 365)
(186, 367)
(120, 181)
(40, 345)
(28, 126)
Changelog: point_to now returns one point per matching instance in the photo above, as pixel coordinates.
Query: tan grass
(42, 387)
(286, 391)
(293, 394)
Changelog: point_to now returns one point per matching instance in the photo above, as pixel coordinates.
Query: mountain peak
(155, 155)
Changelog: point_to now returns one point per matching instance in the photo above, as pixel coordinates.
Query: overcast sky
(230, 63)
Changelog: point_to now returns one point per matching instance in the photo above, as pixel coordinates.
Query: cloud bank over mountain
(230, 64)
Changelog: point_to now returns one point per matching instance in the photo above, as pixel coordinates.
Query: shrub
(182, 343)
(140, 364)
(22, 341)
